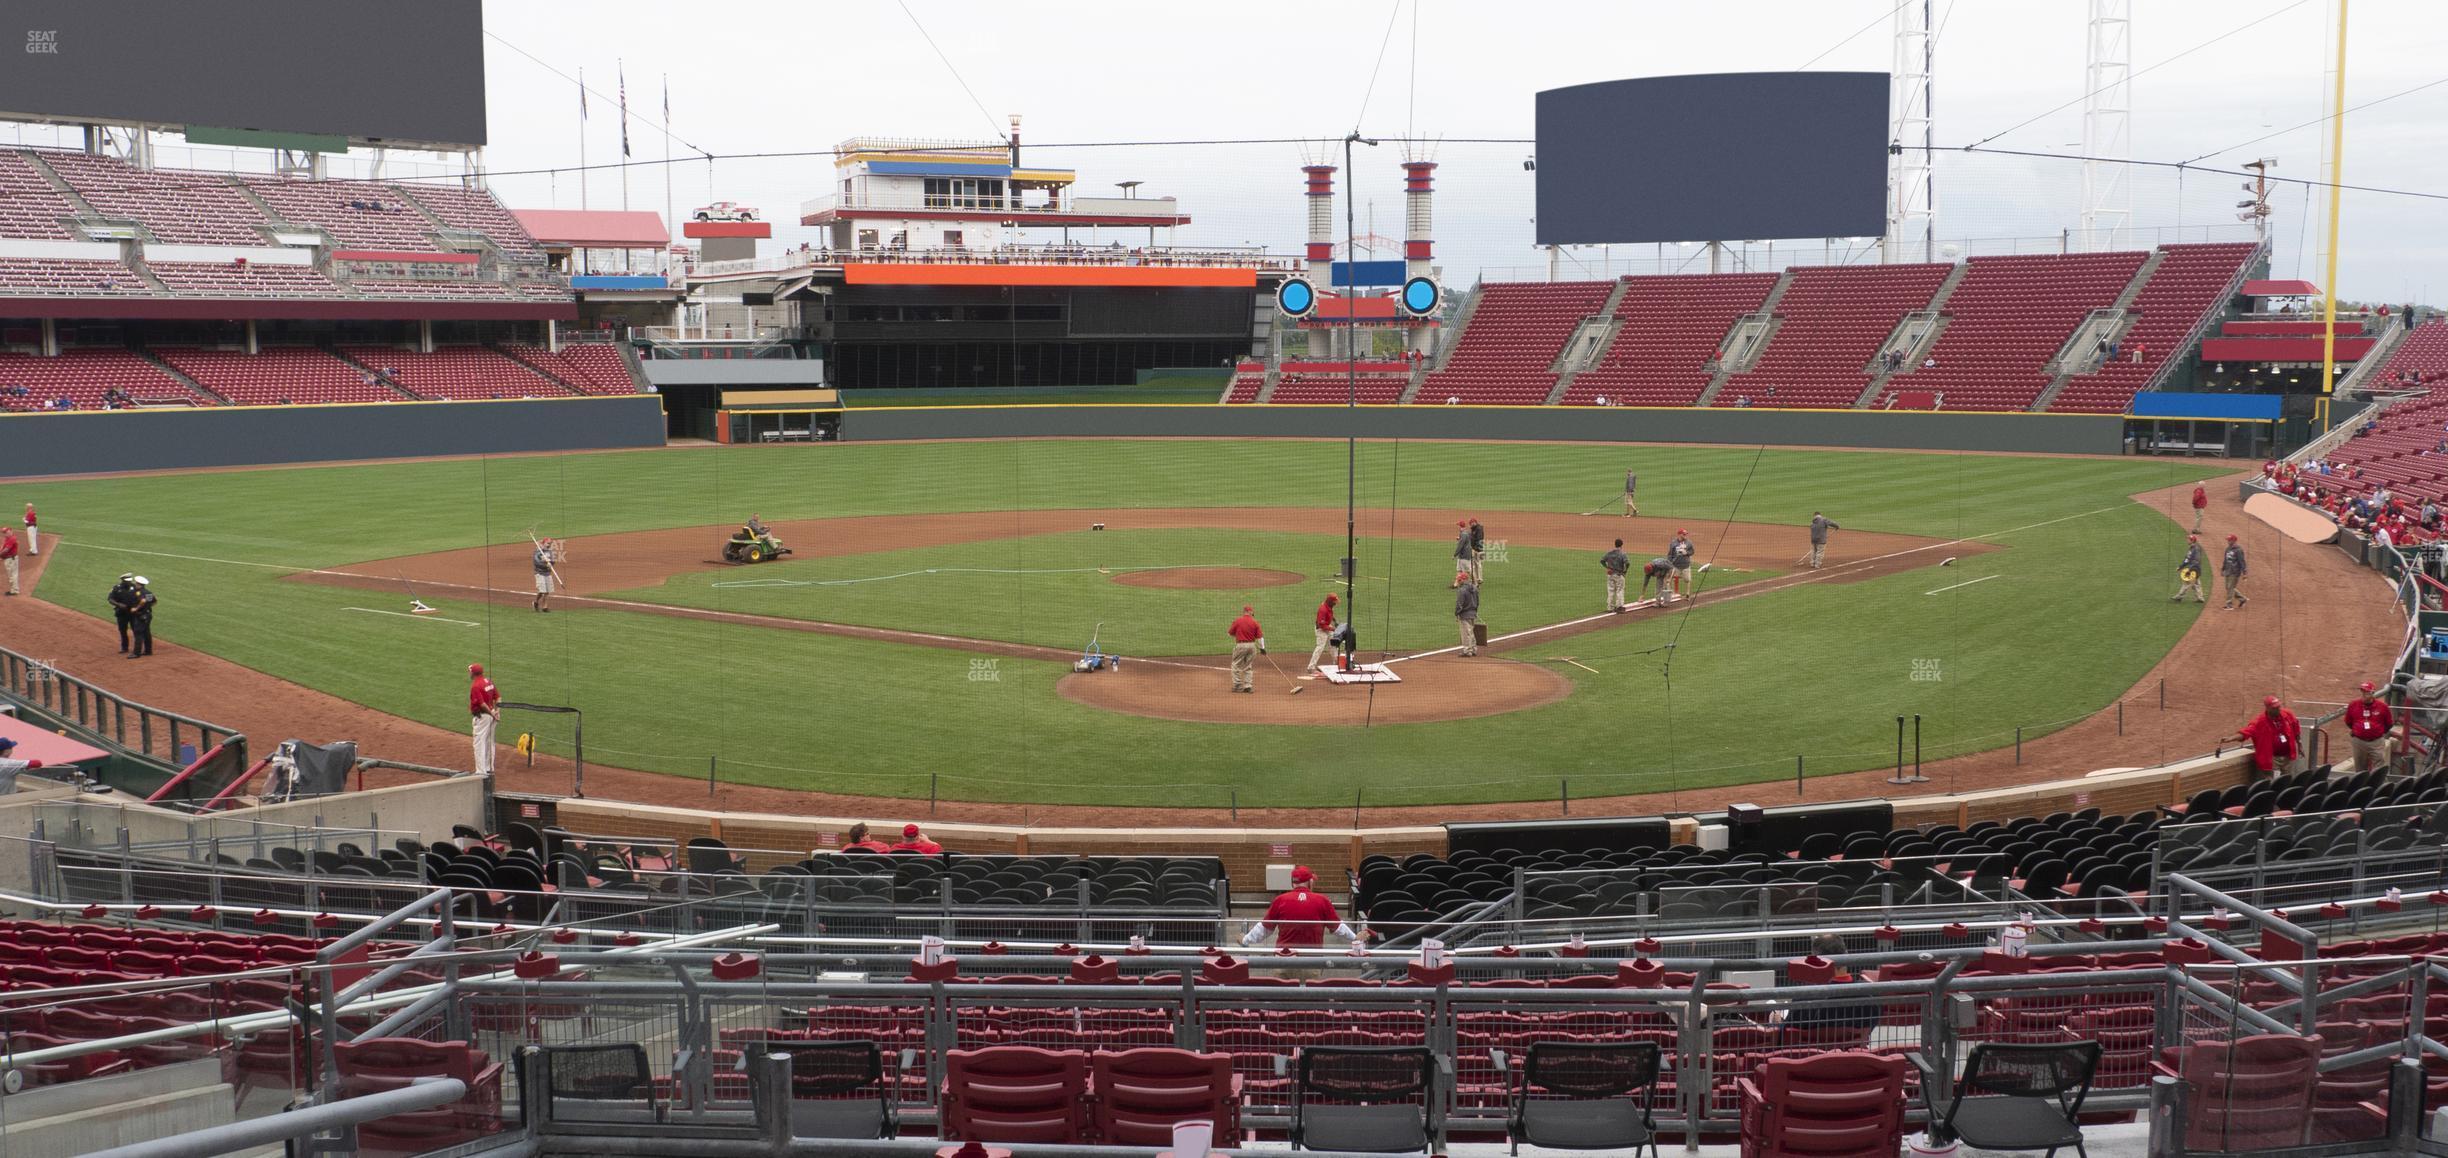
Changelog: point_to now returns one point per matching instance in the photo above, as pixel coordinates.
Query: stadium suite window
(964, 193)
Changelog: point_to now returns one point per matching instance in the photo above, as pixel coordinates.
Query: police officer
(141, 618)
(123, 602)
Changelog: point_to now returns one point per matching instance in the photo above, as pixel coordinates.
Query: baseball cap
(2269, 701)
(127, 576)
(1331, 597)
(1681, 531)
(6, 743)
(2195, 538)
(475, 669)
(1461, 522)
(2370, 686)
(141, 581)
(1245, 609)
(2231, 538)
(909, 830)
(1300, 872)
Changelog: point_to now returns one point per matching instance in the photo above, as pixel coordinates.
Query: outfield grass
(2077, 613)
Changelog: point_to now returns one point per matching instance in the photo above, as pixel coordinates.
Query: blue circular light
(1295, 297)
(1419, 295)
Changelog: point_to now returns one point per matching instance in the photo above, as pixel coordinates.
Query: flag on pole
(624, 110)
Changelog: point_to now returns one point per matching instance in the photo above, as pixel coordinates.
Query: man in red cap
(1679, 556)
(2231, 576)
(1325, 633)
(2189, 572)
(1300, 917)
(484, 708)
(913, 840)
(2368, 721)
(2201, 503)
(2275, 738)
(1249, 642)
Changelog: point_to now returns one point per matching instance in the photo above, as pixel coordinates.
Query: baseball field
(921, 636)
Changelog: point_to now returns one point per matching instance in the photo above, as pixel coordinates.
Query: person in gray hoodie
(1466, 613)
(1820, 526)
(2189, 572)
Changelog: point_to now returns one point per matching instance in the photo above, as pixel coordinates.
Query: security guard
(123, 602)
(141, 618)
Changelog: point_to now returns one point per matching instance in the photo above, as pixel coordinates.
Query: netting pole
(1797, 775)
(931, 793)
(710, 760)
(1564, 797)
(2018, 745)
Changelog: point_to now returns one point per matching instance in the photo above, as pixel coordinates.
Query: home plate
(1367, 673)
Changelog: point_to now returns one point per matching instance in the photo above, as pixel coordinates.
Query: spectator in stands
(859, 841)
(2112, 350)
(1299, 918)
(2430, 515)
(1930, 363)
(912, 840)
(1827, 1022)
(2276, 738)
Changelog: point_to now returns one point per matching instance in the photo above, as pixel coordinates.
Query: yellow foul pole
(2337, 182)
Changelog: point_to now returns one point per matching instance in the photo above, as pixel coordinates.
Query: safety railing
(151, 732)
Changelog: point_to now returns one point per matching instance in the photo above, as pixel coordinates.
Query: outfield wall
(98, 441)
(1865, 429)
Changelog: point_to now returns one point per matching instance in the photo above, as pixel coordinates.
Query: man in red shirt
(484, 711)
(1300, 917)
(1249, 642)
(1325, 633)
(2368, 721)
(8, 556)
(2201, 503)
(33, 541)
(913, 840)
(859, 841)
(2274, 738)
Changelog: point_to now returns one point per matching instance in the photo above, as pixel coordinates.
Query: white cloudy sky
(754, 76)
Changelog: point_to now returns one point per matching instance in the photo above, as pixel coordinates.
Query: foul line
(1965, 583)
(191, 558)
(751, 583)
(412, 615)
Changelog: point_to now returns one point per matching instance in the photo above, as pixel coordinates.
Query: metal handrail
(104, 714)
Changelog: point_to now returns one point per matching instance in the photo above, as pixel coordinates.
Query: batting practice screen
(387, 71)
(1713, 157)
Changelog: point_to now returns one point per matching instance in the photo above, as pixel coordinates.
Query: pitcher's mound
(1207, 578)
(1438, 688)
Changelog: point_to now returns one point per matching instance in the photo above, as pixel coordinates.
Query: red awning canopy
(2281, 288)
(595, 228)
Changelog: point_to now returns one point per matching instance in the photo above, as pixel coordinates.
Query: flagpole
(580, 253)
(626, 254)
(664, 259)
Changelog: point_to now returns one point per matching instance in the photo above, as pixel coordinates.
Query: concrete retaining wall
(1869, 429)
(99, 441)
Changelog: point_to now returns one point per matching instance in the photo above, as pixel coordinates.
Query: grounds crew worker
(2231, 575)
(2368, 721)
(1820, 526)
(1466, 613)
(1249, 642)
(1300, 917)
(8, 556)
(484, 710)
(1617, 565)
(2275, 737)
(1462, 551)
(2189, 572)
(123, 606)
(33, 539)
(1656, 570)
(1679, 556)
(1325, 632)
(1631, 485)
(141, 618)
(543, 576)
(2201, 503)
(1478, 555)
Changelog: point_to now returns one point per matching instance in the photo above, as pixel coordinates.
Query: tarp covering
(323, 770)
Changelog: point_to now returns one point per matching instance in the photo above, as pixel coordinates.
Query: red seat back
(1830, 1105)
(1016, 1093)
(2253, 1093)
(1141, 1093)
